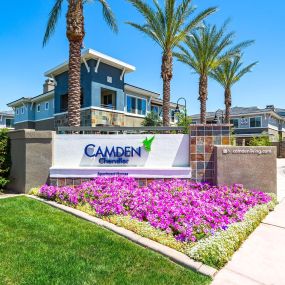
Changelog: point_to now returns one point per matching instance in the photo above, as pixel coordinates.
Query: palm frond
(52, 21)
(109, 16)
(168, 24)
(231, 71)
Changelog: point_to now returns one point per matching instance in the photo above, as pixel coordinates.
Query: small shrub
(34, 191)
(5, 160)
(152, 120)
(260, 141)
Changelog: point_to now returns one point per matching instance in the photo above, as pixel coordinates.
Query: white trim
(92, 54)
(86, 65)
(135, 115)
(139, 91)
(44, 119)
(49, 94)
(32, 105)
(97, 65)
(122, 74)
(93, 108)
(136, 172)
(46, 104)
(105, 109)
(272, 127)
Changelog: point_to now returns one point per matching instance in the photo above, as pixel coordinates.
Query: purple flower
(183, 208)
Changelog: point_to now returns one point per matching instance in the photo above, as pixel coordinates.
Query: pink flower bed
(185, 209)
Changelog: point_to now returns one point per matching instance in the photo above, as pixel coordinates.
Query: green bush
(218, 249)
(152, 120)
(260, 141)
(5, 159)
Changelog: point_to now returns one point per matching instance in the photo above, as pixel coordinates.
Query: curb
(172, 254)
(6, 196)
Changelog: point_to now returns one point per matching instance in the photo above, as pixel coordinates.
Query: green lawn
(42, 245)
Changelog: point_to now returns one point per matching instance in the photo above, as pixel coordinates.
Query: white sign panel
(146, 155)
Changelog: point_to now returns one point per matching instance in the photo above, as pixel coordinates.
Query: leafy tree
(168, 26)
(184, 121)
(152, 120)
(75, 33)
(205, 50)
(228, 74)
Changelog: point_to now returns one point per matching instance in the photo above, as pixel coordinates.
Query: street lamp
(177, 109)
(216, 119)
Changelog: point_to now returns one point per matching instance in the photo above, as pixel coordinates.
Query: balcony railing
(110, 106)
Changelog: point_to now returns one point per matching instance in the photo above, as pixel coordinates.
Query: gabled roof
(37, 98)
(92, 54)
(7, 113)
(139, 90)
(243, 111)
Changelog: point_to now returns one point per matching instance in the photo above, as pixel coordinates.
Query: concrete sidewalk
(261, 259)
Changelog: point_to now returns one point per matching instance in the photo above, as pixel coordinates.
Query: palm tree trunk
(228, 104)
(74, 87)
(75, 34)
(203, 96)
(166, 74)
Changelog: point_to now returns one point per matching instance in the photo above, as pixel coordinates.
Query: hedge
(5, 159)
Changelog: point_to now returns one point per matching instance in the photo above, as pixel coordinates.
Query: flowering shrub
(188, 211)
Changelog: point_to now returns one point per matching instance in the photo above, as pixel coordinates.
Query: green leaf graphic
(147, 143)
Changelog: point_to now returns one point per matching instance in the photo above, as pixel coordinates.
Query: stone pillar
(202, 141)
(31, 155)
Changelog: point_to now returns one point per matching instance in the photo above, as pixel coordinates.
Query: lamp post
(216, 119)
(177, 110)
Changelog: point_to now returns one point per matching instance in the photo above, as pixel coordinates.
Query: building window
(64, 102)
(109, 79)
(17, 111)
(131, 104)
(136, 105)
(234, 122)
(108, 98)
(255, 122)
(38, 107)
(141, 106)
(46, 106)
(9, 123)
(156, 109)
(172, 115)
(22, 110)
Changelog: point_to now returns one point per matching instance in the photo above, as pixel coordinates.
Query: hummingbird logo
(147, 143)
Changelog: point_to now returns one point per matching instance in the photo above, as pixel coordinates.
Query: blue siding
(43, 113)
(92, 83)
(104, 71)
(62, 87)
(28, 114)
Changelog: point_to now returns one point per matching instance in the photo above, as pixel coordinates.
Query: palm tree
(227, 74)
(167, 26)
(75, 33)
(206, 49)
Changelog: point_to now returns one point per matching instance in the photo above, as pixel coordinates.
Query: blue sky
(23, 60)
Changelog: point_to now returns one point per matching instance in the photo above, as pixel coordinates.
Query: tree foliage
(5, 160)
